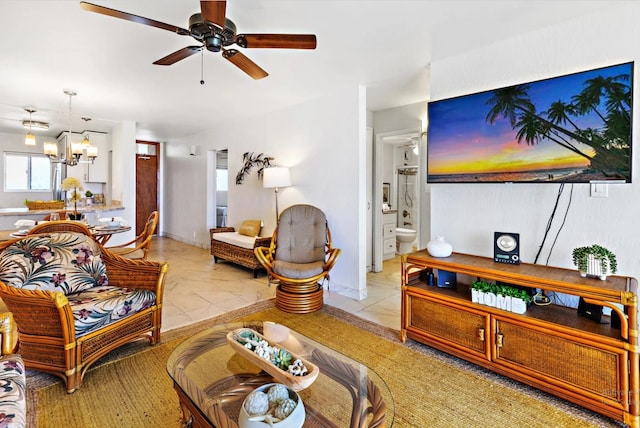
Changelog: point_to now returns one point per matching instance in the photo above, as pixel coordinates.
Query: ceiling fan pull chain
(202, 66)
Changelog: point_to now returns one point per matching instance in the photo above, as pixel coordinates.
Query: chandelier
(72, 151)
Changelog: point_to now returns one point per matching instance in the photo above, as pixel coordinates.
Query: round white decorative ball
(439, 247)
(257, 403)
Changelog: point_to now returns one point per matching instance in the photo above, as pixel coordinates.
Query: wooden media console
(549, 347)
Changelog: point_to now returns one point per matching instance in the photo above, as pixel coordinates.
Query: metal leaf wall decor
(250, 160)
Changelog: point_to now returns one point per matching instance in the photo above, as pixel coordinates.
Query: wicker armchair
(9, 334)
(13, 394)
(74, 303)
(299, 257)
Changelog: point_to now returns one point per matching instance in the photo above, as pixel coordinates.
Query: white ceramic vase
(439, 247)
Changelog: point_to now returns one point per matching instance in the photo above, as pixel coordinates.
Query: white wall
(318, 140)
(469, 214)
(123, 177)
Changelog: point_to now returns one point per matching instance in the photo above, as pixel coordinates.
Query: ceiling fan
(215, 32)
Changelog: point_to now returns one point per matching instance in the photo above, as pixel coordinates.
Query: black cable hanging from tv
(539, 297)
(564, 219)
(549, 222)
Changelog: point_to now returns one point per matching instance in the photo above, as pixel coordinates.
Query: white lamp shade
(30, 139)
(51, 149)
(92, 151)
(276, 177)
(76, 148)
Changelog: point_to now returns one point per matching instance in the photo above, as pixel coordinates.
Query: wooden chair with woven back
(299, 258)
(73, 302)
(60, 226)
(138, 248)
(62, 215)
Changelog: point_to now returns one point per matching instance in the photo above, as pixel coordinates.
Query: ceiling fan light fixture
(213, 43)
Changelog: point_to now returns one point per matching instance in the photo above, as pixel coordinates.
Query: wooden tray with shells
(306, 371)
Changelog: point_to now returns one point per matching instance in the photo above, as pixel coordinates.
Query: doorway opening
(217, 187)
(222, 187)
(396, 154)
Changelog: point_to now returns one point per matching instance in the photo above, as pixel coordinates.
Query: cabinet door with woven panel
(450, 325)
(564, 361)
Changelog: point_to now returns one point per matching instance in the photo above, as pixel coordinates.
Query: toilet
(405, 239)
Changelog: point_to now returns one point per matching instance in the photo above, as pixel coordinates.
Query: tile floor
(197, 288)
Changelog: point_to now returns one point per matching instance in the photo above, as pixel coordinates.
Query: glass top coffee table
(212, 381)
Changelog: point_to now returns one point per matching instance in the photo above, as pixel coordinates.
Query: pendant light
(30, 139)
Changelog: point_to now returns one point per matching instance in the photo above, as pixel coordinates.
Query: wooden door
(562, 358)
(457, 327)
(147, 165)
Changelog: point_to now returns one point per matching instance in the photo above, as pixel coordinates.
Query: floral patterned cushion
(13, 402)
(67, 262)
(100, 306)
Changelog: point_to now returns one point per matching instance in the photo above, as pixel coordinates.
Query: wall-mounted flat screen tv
(569, 129)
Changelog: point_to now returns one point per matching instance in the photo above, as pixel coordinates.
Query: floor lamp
(276, 177)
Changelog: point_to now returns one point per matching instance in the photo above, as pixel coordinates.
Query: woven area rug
(130, 387)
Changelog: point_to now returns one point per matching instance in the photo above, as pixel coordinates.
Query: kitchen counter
(83, 209)
(8, 216)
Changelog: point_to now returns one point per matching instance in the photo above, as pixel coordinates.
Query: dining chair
(60, 226)
(138, 248)
(62, 215)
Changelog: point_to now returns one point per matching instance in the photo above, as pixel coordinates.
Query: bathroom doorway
(217, 188)
(395, 150)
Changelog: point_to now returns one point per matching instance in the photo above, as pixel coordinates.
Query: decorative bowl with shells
(272, 405)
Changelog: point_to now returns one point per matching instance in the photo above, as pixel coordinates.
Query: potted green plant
(89, 197)
(501, 296)
(595, 260)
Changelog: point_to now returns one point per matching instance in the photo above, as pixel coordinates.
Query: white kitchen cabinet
(98, 171)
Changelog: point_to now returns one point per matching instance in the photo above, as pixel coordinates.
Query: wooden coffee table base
(192, 417)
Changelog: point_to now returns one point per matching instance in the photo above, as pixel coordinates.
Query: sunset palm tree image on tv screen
(570, 129)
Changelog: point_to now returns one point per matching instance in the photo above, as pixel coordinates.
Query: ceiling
(48, 46)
